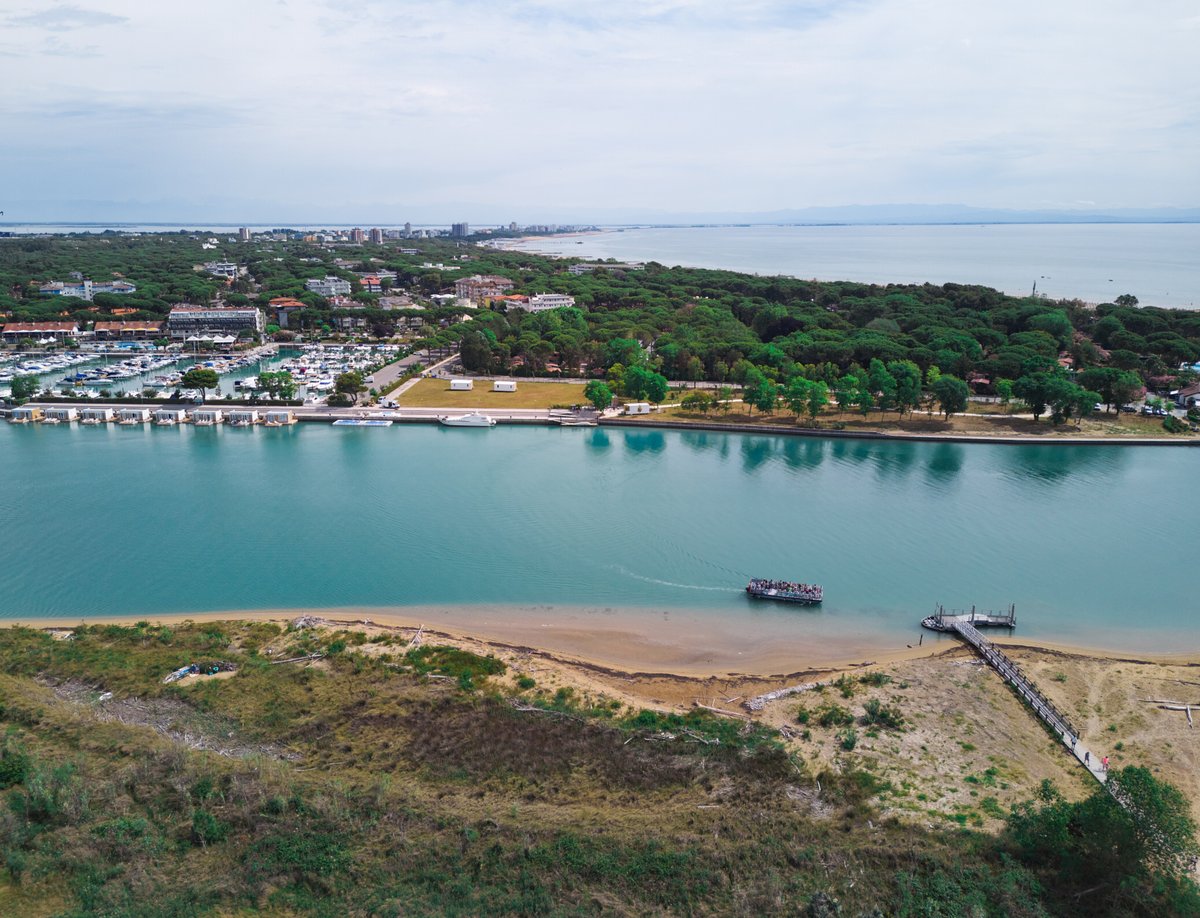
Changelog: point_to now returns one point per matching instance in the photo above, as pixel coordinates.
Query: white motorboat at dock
(473, 419)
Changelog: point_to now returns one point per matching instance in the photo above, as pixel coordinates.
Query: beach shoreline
(622, 647)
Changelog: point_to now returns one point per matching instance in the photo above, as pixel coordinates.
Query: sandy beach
(645, 641)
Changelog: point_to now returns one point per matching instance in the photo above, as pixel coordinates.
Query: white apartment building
(185, 321)
(85, 289)
(222, 268)
(329, 286)
(540, 302)
(478, 286)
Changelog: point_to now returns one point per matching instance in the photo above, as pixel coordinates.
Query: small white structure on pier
(279, 418)
(169, 417)
(131, 416)
(62, 414)
(637, 408)
(243, 417)
(462, 385)
(26, 415)
(97, 415)
(207, 417)
(504, 385)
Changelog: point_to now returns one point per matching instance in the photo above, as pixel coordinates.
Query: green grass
(362, 786)
(436, 393)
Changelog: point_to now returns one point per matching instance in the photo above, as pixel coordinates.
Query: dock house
(207, 417)
(243, 417)
(26, 415)
(169, 417)
(97, 415)
(504, 385)
(131, 416)
(62, 414)
(637, 408)
(280, 418)
(462, 385)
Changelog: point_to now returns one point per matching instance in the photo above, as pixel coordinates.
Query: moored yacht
(474, 419)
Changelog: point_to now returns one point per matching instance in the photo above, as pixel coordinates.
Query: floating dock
(941, 620)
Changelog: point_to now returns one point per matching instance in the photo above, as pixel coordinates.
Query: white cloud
(64, 19)
(684, 105)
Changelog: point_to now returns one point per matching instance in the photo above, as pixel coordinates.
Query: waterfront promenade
(611, 418)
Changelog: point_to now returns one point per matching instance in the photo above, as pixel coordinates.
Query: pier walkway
(1057, 721)
(1042, 706)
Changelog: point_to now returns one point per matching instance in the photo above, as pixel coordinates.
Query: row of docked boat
(140, 365)
(235, 363)
(40, 366)
(317, 366)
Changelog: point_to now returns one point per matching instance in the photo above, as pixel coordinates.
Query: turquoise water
(1156, 262)
(1095, 545)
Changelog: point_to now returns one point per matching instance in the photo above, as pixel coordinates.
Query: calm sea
(1158, 263)
(1095, 545)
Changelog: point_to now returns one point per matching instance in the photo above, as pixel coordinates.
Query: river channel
(1095, 545)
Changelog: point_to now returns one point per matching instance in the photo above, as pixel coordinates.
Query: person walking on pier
(1104, 763)
(1087, 758)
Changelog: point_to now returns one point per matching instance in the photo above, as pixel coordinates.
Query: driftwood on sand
(759, 702)
(1184, 706)
(704, 707)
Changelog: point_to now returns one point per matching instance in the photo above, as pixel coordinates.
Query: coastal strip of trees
(785, 341)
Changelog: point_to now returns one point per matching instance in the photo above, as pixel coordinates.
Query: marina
(115, 371)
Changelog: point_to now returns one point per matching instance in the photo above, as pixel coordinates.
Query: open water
(1157, 262)
(1095, 545)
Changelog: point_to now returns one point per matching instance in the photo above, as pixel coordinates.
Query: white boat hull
(468, 420)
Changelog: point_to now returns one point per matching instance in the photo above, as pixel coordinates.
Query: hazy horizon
(866, 215)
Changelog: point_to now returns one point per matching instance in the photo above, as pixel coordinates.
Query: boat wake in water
(670, 583)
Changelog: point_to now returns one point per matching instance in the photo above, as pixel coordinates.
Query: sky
(591, 110)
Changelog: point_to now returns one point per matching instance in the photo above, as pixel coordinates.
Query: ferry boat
(474, 419)
(785, 591)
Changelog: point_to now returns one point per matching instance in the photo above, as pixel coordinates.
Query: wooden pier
(964, 627)
(1028, 692)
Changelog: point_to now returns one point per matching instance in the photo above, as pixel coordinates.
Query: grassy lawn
(435, 393)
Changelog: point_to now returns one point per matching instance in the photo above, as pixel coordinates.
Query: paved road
(394, 371)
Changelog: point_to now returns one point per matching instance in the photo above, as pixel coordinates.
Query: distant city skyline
(618, 111)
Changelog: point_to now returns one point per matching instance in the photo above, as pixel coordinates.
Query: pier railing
(1057, 721)
(1028, 692)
